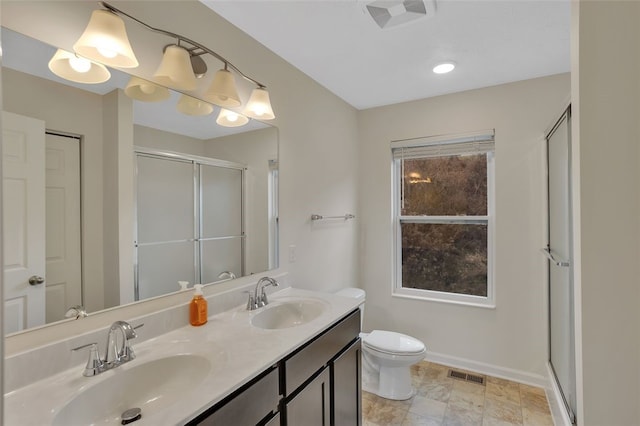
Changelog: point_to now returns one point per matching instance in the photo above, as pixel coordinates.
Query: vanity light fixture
(105, 40)
(259, 105)
(75, 68)
(223, 91)
(175, 70)
(192, 106)
(146, 91)
(228, 118)
(444, 67)
(181, 64)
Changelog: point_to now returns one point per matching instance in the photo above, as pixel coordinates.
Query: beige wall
(512, 337)
(166, 141)
(606, 133)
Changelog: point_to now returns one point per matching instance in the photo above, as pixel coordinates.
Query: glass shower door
(559, 254)
(221, 222)
(166, 244)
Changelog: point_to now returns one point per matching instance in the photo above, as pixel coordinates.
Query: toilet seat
(393, 343)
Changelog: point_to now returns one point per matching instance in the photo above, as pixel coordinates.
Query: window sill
(452, 299)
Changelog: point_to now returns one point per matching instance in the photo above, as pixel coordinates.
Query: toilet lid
(391, 342)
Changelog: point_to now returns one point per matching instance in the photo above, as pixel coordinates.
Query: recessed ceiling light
(444, 68)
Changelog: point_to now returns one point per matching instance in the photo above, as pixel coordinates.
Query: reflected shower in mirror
(122, 184)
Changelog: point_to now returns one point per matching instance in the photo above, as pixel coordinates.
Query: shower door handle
(552, 258)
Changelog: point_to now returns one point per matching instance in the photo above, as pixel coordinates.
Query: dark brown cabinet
(312, 405)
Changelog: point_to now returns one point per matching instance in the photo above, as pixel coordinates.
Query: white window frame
(447, 144)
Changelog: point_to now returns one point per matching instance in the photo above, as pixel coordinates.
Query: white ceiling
(339, 45)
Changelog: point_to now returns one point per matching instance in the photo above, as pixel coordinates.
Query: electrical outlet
(292, 254)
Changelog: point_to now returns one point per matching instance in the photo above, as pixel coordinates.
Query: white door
(23, 221)
(63, 287)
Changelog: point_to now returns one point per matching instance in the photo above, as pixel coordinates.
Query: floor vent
(474, 378)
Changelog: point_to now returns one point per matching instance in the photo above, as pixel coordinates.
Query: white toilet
(386, 357)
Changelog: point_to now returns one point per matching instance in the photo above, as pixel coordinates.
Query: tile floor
(445, 401)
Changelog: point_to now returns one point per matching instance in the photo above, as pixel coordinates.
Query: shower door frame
(562, 263)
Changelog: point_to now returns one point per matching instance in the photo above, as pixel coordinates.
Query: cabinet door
(312, 406)
(345, 387)
(249, 407)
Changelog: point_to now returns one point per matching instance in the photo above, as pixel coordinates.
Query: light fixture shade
(192, 106)
(259, 105)
(146, 91)
(175, 70)
(228, 118)
(105, 40)
(80, 70)
(223, 91)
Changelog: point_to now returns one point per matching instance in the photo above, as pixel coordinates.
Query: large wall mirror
(176, 198)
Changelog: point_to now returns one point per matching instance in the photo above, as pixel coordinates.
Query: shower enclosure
(559, 252)
(189, 221)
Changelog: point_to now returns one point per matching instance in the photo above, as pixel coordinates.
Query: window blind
(445, 145)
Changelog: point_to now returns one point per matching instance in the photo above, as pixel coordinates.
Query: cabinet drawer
(316, 354)
(248, 406)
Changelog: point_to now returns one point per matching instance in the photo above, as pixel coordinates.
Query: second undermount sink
(288, 314)
(150, 386)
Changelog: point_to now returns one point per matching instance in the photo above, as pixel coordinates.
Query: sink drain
(131, 415)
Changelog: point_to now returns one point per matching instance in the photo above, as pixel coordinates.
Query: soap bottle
(198, 307)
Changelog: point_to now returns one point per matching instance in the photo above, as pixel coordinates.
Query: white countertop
(237, 352)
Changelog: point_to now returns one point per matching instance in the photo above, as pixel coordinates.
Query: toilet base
(387, 382)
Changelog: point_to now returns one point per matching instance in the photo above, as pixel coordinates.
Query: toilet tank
(355, 293)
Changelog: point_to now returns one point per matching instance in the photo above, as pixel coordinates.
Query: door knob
(35, 280)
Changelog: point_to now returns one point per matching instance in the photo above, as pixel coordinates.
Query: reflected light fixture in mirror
(105, 40)
(175, 70)
(80, 70)
(192, 106)
(228, 118)
(259, 105)
(223, 91)
(146, 91)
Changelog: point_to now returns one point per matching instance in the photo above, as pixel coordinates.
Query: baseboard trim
(489, 369)
(556, 403)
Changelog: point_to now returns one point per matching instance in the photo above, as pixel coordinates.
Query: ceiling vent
(391, 13)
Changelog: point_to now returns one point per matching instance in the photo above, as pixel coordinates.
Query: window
(443, 218)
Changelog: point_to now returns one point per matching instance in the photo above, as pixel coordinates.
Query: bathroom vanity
(295, 361)
(317, 384)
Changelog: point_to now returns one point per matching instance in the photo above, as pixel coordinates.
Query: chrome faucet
(227, 275)
(115, 354)
(119, 355)
(259, 300)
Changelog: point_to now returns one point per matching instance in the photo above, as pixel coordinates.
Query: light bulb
(259, 110)
(232, 116)
(106, 52)
(81, 65)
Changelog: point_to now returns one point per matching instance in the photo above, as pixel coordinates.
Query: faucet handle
(95, 365)
(251, 303)
(263, 297)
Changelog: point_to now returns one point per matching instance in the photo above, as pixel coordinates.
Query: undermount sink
(288, 314)
(151, 386)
